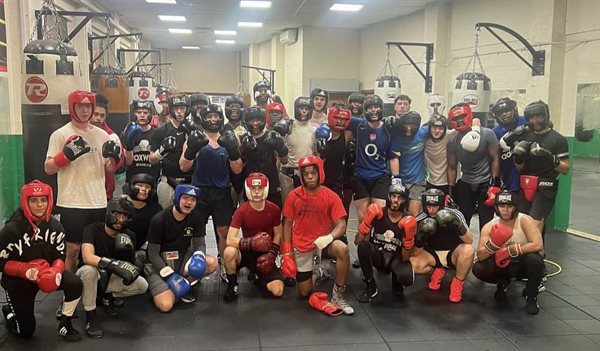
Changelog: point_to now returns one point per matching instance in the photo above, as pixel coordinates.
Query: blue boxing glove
(323, 135)
(178, 284)
(128, 134)
(196, 265)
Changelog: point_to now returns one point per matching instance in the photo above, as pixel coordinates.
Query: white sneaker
(338, 298)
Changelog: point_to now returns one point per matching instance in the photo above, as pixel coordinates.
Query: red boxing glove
(50, 280)
(288, 263)
(265, 263)
(491, 195)
(502, 258)
(26, 270)
(409, 225)
(260, 242)
(499, 235)
(373, 211)
(318, 301)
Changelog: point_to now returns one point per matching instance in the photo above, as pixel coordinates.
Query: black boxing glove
(74, 148)
(196, 141)
(546, 155)
(167, 145)
(229, 141)
(112, 150)
(275, 140)
(283, 127)
(521, 152)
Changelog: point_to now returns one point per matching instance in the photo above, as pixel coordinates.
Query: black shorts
(249, 261)
(75, 219)
(444, 188)
(540, 207)
(438, 262)
(216, 202)
(376, 188)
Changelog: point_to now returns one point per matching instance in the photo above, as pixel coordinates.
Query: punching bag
(111, 82)
(474, 89)
(387, 88)
(141, 87)
(50, 71)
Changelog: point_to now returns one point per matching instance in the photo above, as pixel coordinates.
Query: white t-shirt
(80, 184)
(436, 159)
(300, 142)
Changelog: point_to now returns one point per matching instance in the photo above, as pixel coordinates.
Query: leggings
(529, 265)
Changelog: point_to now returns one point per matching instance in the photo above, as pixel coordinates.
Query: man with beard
(318, 100)
(262, 93)
(385, 239)
(167, 148)
(136, 141)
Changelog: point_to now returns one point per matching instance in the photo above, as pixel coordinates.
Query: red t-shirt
(253, 222)
(313, 215)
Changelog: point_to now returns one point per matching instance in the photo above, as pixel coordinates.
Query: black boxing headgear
(397, 188)
(261, 84)
(141, 178)
(199, 99)
(179, 100)
(433, 197)
(209, 125)
(356, 97)
(411, 119)
(120, 205)
(302, 101)
(438, 121)
(234, 114)
(537, 108)
(505, 198)
(319, 92)
(252, 113)
(373, 100)
(499, 112)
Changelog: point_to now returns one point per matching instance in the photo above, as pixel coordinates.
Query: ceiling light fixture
(250, 24)
(225, 32)
(172, 2)
(255, 4)
(168, 18)
(180, 31)
(346, 7)
(190, 47)
(223, 41)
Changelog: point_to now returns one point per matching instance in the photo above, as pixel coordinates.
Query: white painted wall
(206, 71)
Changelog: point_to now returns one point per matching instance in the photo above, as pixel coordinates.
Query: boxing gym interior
(472, 51)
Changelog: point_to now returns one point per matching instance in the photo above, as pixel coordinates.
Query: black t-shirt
(174, 235)
(104, 244)
(263, 159)
(334, 160)
(142, 148)
(18, 243)
(170, 164)
(444, 238)
(140, 221)
(553, 141)
(386, 234)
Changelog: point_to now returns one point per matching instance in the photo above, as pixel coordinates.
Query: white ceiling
(203, 16)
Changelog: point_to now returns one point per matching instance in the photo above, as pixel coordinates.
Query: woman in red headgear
(32, 253)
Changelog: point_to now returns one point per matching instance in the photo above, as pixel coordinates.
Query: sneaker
(436, 278)
(190, 297)
(320, 274)
(541, 288)
(92, 330)
(59, 311)
(356, 263)
(338, 299)
(109, 306)
(231, 293)
(532, 305)
(456, 288)
(370, 291)
(501, 290)
(119, 302)
(66, 330)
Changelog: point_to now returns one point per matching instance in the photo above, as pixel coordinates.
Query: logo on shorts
(143, 93)
(36, 89)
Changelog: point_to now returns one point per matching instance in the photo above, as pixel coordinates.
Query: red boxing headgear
(460, 117)
(36, 188)
(338, 118)
(275, 106)
(81, 97)
(257, 179)
(311, 160)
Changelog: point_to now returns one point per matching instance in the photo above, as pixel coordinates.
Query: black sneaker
(541, 288)
(92, 330)
(356, 263)
(231, 293)
(501, 290)
(397, 288)
(118, 302)
(59, 310)
(369, 293)
(66, 330)
(188, 298)
(532, 305)
(109, 306)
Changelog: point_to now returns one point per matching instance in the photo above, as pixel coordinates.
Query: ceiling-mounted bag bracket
(263, 71)
(87, 17)
(428, 58)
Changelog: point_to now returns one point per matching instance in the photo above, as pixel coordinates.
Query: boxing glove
(491, 195)
(288, 263)
(112, 150)
(427, 228)
(260, 242)
(392, 124)
(229, 141)
(274, 140)
(544, 154)
(196, 141)
(521, 152)
(167, 145)
(372, 212)
(189, 125)
(124, 247)
(509, 139)
(123, 269)
(318, 301)
(324, 240)
(499, 235)
(322, 135)
(178, 284)
(26, 270)
(74, 148)
(409, 225)
(265, 263)
(506, 254)
(248, 144)
(470, 141)
(50, 280)
(446, 218)
(283, 127)
(350, 154)
(196, 265)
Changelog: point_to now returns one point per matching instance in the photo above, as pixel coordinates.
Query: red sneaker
(456, 289)
(436, 278)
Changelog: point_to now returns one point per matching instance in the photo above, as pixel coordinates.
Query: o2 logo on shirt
(372, 151)
(188, 231)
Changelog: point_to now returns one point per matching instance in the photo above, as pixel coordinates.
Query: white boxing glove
(471, 140)
(322, 241)
(503, 145)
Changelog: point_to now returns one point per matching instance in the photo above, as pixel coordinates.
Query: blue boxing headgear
(184, 189)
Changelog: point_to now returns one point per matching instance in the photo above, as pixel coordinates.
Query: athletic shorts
(415, 190)
(74, 220)
(443, 258)
(216, 202)
(249, 261)
(376, 188)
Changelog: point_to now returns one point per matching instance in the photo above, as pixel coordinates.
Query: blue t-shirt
(211, 168)
(372, 149)
(412, 155)
(507, 166)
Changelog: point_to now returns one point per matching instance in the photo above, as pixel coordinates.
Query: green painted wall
(588, 149)
(11, 171)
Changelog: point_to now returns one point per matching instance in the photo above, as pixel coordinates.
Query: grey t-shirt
(475, 165)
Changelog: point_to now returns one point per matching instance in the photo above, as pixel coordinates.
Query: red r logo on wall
(143, 93)
(36, 89)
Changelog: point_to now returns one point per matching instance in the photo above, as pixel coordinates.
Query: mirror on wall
(585, 161)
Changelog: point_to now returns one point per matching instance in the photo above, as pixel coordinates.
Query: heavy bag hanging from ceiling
(387, 86)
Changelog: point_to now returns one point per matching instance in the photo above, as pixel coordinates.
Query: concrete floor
(585, 195)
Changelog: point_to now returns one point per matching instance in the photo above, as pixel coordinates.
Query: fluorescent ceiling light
(180, 31)
(256, 4)
(171, 18)
(225, 32)
(190, 47)
(250, 24)
(161, 2)
(346, 7)
(222, 41)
